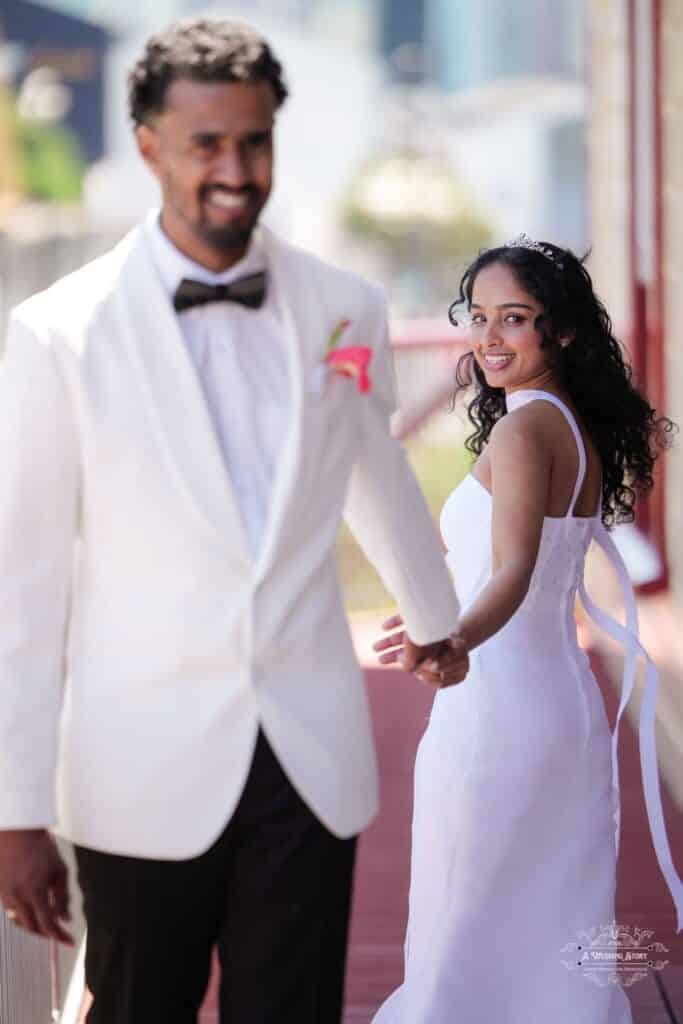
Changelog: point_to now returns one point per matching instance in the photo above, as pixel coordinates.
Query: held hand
(34, 883)
(440, 664)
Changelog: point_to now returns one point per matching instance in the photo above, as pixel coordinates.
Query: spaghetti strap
(629, 637)
(517, 398)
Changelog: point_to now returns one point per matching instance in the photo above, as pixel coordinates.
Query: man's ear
(147, 141)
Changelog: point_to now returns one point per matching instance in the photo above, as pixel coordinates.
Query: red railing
(431, 345)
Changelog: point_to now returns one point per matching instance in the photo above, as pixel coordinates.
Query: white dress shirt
(241, 360)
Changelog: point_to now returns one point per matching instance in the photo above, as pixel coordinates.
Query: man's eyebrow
(211, 136)
(206, 135)
(506, 305)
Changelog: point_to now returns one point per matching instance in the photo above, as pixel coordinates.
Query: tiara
(524, 242)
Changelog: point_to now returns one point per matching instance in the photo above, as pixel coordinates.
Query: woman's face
(505, 342)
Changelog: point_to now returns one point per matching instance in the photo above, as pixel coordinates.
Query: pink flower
(352, 362)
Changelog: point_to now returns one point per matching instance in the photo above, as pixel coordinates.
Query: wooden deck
(400, 707)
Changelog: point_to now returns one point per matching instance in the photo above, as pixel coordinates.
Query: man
(177, 456)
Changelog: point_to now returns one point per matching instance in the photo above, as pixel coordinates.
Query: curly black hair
(624, 427)
(203, 50)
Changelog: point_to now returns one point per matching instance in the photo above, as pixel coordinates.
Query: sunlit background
(417, 131)
(415, 134)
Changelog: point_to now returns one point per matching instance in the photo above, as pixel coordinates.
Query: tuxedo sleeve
(386, 510)
(38, 520)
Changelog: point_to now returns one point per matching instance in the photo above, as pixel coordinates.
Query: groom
(179, 695)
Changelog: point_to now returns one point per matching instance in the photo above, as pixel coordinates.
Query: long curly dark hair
(626, 430)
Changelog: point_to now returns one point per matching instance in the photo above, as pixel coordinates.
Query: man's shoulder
(329, 275)
(76, 295)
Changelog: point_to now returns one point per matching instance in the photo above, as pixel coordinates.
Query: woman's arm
(521, 465)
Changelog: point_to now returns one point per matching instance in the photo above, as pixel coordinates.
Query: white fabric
(629, 637)
(516, 795)
(126, 573)
(240, 356)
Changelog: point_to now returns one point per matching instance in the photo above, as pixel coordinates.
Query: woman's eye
(514, 318)
(477, 319)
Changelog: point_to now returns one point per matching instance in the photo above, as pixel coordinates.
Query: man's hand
(441, 664)
(34, 883)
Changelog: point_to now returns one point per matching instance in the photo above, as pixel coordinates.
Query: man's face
(211, 149)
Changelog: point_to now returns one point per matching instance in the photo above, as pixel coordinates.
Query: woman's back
(513, 796)
(552, 421)
(573, 487)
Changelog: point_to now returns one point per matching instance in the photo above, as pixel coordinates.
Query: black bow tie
(247, 291)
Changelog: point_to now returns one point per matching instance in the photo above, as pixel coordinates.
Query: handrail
(447, 343)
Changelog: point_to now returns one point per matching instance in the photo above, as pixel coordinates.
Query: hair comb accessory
(524, 242)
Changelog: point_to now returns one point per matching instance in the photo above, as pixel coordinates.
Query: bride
(516, 815)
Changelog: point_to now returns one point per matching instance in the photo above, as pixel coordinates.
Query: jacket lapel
(303, 324)
(185, 429)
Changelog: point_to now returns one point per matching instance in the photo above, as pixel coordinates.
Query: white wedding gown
(516, 816)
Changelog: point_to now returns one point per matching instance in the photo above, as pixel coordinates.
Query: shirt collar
(173, 265)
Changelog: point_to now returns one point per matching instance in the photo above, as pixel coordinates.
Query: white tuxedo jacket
(140, 644)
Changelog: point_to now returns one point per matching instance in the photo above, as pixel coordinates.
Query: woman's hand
(442, 664)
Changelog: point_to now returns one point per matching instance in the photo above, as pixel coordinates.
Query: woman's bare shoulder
(525, 426)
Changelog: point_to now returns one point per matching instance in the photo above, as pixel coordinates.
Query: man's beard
(223, 239)
(227, 237)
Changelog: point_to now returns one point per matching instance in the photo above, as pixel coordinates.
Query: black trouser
(273, 893)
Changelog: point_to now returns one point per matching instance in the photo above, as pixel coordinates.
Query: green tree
(53, 165)
(418, 212)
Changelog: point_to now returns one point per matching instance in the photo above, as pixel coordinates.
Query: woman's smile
(497, 360)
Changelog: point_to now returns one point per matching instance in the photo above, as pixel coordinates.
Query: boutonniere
(351, 360)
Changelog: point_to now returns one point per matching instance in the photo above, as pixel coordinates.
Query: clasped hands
(440, 664)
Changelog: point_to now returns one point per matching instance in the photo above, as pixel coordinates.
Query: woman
(516, 793)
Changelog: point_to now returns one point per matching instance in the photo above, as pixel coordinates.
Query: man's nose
(232, 168)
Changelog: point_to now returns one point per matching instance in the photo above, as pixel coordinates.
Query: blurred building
(401, 38)
(73, 51)
(508, 81)
(473, 44)
(636, 158)
(492, 92)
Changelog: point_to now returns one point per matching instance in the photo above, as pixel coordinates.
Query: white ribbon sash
(630, 638)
